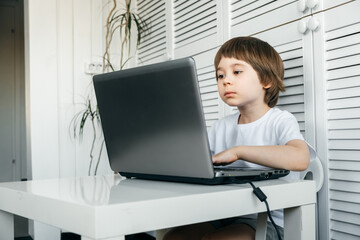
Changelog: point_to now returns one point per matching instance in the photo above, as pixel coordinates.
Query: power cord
(262, 197)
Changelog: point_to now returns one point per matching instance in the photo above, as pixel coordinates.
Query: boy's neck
(251, 114)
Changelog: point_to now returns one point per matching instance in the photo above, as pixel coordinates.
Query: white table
(109, 207)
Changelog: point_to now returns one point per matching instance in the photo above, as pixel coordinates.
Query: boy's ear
(267, 86)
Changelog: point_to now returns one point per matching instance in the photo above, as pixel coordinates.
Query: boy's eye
(220, 76)
(237, 72)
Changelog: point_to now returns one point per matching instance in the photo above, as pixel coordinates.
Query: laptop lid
(153, 121)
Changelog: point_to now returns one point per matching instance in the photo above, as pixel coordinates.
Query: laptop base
(207, 181)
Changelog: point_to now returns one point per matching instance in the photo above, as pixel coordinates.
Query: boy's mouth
(229, 93)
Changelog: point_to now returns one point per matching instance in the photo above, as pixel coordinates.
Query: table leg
(261, 226)
(115, 238)
(6, 226)
(299, 223)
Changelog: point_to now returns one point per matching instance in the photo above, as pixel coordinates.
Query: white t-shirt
(276, 127)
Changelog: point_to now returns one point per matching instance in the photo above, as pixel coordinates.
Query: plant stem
(92, 145)
(98, 161)
(106, 57)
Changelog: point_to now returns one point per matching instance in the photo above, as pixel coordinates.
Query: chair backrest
(315, 172)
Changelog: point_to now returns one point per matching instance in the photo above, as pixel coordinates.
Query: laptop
(154, 126)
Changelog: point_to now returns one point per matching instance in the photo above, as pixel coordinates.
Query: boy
(249, 75)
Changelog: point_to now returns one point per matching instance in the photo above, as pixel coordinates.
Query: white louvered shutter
(153, 47)
(292, 99)
(195, 34)
(342, 45)
(208, 86)
(251, 16)
(195, 27)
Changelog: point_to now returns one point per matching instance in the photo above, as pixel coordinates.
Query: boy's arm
(294, 155)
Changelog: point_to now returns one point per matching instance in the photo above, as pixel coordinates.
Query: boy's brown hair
(264, 60)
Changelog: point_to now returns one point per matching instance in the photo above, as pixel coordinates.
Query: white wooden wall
(57, 84)
(319, 46)
(60, 38)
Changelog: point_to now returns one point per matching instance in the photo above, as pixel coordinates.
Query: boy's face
(238, 83)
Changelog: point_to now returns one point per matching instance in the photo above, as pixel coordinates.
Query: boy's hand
(225, 157)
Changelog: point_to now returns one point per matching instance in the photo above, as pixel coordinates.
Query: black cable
(262, 197)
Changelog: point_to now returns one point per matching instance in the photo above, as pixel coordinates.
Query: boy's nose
(227, 81)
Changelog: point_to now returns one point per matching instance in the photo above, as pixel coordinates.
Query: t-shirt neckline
(256, 122)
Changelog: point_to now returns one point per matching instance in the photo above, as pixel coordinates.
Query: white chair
(314, 172)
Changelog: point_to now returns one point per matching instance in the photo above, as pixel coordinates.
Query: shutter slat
(340, 235)
(300, 117)
(291, 99)
(344, 72)
(211, 102)
(293, 90)
(157, 41)
(344, 103)
(254, 10)
(344, 124)
(348, 207)
(208, 89)
(146, 11)
(344, 155)
(201, 32)
(237, 4)
(289, 47)
(294, 72)
(296, 53)
(344, 62)
(155, 31)
(345, 144)
(345, 196)
(346, 229)
(343, 52)
(211, 116)
(205, 70)
(343, 42)
(344, 134)
(344, 83)
(292, 63)
(181, 6)
(197, 19)
(207, 96)
(344, 93)
(294, 81)
(196, 26)
(345, 186)
(211, 109)
(344, 114)
(207, 83)
(343, 31)
(294, 108)
(207, 76)
(346, 217)
(156, 50)
(347, 166)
